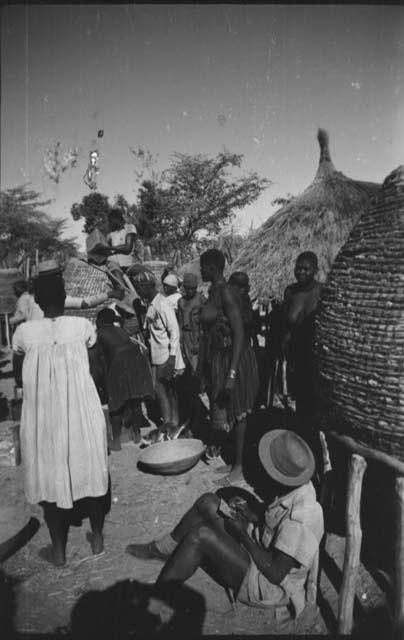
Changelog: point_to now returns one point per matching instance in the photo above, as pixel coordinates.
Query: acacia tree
(205, 194)
(25, 228)
(195, 194)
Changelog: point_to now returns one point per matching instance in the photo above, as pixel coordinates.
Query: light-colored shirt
(173, 299)
(26, 309)
(164, 331)
(119, 237)
(294, 524)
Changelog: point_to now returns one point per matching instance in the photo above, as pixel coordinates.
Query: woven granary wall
(82, 280)
(360, 328)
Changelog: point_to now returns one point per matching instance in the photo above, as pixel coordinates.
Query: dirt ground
(98, 592)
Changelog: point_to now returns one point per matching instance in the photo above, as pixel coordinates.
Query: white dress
(63, 433)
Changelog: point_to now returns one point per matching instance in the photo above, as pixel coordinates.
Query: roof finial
(325, 164)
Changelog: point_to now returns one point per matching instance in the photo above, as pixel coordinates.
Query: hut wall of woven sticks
(82, 280)
(320, 220)
(360, 328)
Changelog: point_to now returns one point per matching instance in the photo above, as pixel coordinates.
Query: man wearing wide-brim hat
(268, 561)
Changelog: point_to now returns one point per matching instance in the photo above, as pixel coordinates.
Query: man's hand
(241, 510)
(236, 528)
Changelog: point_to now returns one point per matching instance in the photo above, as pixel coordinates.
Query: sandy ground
(143, 507)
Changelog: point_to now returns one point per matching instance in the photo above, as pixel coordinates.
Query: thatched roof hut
(320, 220)
(360, 328)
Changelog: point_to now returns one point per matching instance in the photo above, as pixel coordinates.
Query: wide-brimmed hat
(286, 457)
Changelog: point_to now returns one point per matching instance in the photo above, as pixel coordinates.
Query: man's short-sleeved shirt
(294, 524)
(119, 237)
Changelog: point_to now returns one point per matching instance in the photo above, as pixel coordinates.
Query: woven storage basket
(82, 280)
(360, 328)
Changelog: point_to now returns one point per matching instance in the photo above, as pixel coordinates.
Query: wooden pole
(398, 633)
(7, 330)
(353, 542)
(371, 454)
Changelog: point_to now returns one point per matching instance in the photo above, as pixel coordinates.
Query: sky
(255, 79)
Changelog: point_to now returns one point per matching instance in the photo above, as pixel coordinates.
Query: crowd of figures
(160, 351)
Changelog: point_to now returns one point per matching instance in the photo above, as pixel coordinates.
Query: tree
(196, 194)
(153, 218)
(94, 208)
(25, 228)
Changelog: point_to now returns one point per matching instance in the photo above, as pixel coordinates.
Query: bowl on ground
(172, 456)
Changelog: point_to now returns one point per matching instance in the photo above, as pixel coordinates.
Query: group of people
(178, 345)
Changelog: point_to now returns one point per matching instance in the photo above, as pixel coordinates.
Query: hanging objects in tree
(92, 170)
(57, 160)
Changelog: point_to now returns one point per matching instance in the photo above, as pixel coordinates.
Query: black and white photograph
(201, 320)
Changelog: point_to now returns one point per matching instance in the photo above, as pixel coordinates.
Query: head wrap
(171, 280)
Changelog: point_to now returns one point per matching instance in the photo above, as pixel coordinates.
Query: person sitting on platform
(268, 560)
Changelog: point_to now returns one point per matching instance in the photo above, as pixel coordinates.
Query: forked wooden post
(353, 542)
(7, 327)
(399, 561)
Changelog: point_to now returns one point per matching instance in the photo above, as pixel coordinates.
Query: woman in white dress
(63, 433)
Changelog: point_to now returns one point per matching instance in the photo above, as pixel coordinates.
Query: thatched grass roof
(320, 220)
(7, 298)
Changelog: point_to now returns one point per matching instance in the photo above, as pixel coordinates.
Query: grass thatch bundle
(7, 297)
(319, 220)
(360, 328)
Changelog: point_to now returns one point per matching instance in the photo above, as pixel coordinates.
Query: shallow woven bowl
(173, 456)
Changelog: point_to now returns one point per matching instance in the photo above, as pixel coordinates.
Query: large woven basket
(360, 328)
